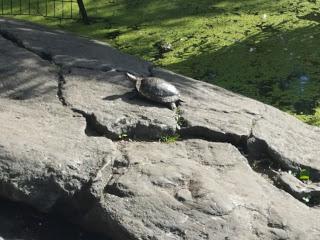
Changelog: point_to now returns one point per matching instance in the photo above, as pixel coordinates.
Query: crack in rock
(94, 128)
(136, 129)
(201, 132)
(253, 149)
(258, 155)
(263, 161)
(120, 167)
(61, 82)
(10, 37)
(309, 193)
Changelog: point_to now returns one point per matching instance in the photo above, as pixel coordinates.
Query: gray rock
(304, 191)
(228, 198)
(64, 104)
(224, 116)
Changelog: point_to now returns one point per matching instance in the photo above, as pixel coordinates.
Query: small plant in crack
(170, 138)
(181, 122)
(257, 162)
(304, 175)
(123, 137)
(311, 200)
(262, 165)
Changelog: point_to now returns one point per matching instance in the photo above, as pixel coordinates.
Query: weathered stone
(293, 144)
(64, 100)
(228, 198)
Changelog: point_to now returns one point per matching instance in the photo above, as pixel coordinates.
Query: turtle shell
(158, 90)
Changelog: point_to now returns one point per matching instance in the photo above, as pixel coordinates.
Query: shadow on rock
(133, 98)
(125, 97)
(18, 221)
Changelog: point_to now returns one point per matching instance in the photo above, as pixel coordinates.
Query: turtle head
(132, 77)
(135, 79)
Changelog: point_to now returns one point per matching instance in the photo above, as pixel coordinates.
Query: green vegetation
(267, 50)
(311, 119)
(123, 137)
(304, 174)
(170, 138)
(180, 120)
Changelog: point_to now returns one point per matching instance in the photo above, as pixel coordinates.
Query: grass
(123, 136)
(170, 138)
(311, 119)
(263, 49)
(304, 174)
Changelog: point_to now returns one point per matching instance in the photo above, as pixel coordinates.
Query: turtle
(157, 90)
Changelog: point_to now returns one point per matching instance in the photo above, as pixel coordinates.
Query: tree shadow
(115, 18)
(22, 75)
(276, 66)
(134, 11)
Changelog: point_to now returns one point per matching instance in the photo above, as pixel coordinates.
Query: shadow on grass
(277, 67)
(133, 11)
(134, 14)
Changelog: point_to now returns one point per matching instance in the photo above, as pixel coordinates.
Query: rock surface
(74, 140)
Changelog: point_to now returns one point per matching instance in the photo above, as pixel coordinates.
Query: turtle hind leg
(175, 105)
(178, 103)
(172, 105)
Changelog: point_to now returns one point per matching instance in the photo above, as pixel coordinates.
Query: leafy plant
(180, 120)
(170, 138)
(123, 136)
(304, 174)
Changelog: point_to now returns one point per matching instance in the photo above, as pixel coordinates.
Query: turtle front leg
(133, 94)
(172, 106)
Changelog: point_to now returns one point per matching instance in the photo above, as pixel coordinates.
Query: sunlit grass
(311, 119)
